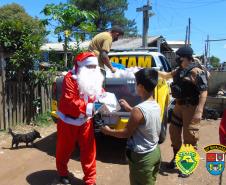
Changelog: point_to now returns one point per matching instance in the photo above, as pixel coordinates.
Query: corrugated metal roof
(124, 43)
(172, 42)
(58, 46)
(132, 42)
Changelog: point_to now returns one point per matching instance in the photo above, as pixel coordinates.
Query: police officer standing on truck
(189, 88)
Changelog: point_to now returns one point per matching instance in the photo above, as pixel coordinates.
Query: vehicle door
(162, 89)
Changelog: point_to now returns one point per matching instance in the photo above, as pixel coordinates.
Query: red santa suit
(75, 125)
(222, 129)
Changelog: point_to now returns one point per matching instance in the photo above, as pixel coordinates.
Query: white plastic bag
(110, 103)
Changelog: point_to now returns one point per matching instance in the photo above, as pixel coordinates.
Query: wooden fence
(20, 103)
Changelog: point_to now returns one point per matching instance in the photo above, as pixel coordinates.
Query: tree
(214, 61)
(22, 36)
(70, 23)
(109, 13)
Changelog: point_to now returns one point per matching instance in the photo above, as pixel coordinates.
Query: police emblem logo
(215, 162)
(187, 159)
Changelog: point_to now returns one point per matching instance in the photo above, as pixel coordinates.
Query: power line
(207, 48)
(185, 6)
(210, 40)
(197, 2)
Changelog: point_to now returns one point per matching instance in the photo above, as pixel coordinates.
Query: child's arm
(136, 118)
(125, 105)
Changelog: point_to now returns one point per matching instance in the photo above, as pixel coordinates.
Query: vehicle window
(168, 65)
(165, 64)
(153, 64)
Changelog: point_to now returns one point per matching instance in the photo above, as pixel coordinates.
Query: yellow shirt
(101, 42)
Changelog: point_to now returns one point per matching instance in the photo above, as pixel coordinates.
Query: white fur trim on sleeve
(89, 109)
(74, 77)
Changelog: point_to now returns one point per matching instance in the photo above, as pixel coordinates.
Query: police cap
(185, 51)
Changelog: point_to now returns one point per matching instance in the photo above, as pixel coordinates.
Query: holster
(176, 90)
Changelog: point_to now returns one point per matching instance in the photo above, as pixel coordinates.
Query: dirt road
(36, 166)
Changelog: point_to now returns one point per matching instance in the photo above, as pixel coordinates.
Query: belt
(71, 116)
(129, 151)
(71, 120)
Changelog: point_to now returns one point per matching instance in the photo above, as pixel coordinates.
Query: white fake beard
(90, 81)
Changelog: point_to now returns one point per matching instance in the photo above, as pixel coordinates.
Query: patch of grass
(2, 131)
(43, 120)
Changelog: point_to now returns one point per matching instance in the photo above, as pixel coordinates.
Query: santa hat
(85, 59)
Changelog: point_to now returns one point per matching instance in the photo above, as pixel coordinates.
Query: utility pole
(206, 57)
(189, 31)
(186, 37)
(146, 14)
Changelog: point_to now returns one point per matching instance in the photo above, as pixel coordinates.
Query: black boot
(64, 180)
(172, 163)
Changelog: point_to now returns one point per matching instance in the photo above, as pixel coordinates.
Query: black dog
(24, 138)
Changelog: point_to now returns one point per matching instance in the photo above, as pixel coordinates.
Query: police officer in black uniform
(189, 88)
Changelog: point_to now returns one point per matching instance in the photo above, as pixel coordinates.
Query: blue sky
(170, 20)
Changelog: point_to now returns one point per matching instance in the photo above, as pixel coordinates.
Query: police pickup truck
(125, 87)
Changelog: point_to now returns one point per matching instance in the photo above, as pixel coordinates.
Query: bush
(43, 120)
(22, 36)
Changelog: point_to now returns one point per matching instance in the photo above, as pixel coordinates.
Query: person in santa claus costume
(81, 88)
(222, 129)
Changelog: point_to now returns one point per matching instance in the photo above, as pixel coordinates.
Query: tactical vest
(183, 89)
